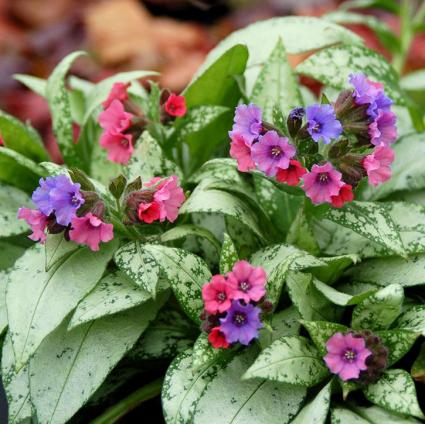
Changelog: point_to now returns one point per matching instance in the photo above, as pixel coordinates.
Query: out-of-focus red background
(170, 36)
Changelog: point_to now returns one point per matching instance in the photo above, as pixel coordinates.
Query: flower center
(244, 286)
(75, 201)
(124, 142)
(221, 297)
(323, 178)
(276, 151)
(316, 127)
(239, 319)
(350, 355)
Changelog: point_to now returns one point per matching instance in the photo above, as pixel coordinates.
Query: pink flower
(345, 195)
(148, 212)
(377, 165)
(118, 92)
(175, 105)
(115, 119)
(218, 339)
(170, 197)
(292, 174)
(346, 355)
(119, 146)
(247, 282)
(217, 295)
(382, 130)
(272, 152)
(241, 151)
(322, 182)
(90, 230)
(37, 221)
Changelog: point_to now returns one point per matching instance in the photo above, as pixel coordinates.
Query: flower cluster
(233, 304)
(122, 121)
(358, 356)
(60, 208)
(159, 200)
(330, 147)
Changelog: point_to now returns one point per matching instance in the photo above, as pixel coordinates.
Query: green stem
(117, 411)
(406, 36)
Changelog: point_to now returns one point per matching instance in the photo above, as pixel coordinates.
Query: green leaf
(382, 30)
(418, 367)
(395, 391)
(207, 200)
(340, 298)
(341, 415)
(11, 199)
(204, 354)
(414, 84)
(60, 108)
(370, 220)
(321, 331)
(19, 171)
(139, 265)
(113, 293)
(16, 386)
(22, 138)
(34, 313)
(215, 85)
(334, 268)
(398, 342)
(389, 5)
(377, 415)
(311, 304)
(347, 59)
(385, 271)
(229, 255)
(3, 311)
(295, 32)
(37, 85)
(186, 274)
(276, 85)
(101, 90)
(182, 388)
(56, 248)
(170, 334)
(316, 411)
(67, 367)
(237, 401)
(148, 161)
(380, 310)
(291, 359)
(413, 319)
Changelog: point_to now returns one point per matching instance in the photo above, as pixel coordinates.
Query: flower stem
(115, 412)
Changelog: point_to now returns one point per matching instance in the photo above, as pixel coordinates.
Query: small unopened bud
(267, 306)
(78, 176)
(98, 209)
(134, 199)
(351, 168)
(90, 199)
(295, 120)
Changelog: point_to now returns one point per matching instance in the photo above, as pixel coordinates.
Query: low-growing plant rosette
(330, 148)
(234, 304)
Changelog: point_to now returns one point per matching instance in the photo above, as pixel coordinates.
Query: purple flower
(297, 113)
(272, 153)
(58, 195)
(383, 130)
(346, 355)
(322, 182)
(369, 92)
(322, 123)
(241, 324)
(247, 122)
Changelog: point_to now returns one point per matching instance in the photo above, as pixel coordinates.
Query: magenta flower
(170, 197)
(91, 230)
(322, 182)
(241, 323)
(247, 282)
(346, 355)
(118, 92)
(241, 151)
(322, 124)
(119, 146)
(378, 165)
(272, 153)
(217, 295)
(247, 122)
(369, 92)
(114, 119)
(37, 221)
(58, 195)
(383, 130)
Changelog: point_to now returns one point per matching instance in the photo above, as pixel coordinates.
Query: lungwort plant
(248, 249)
